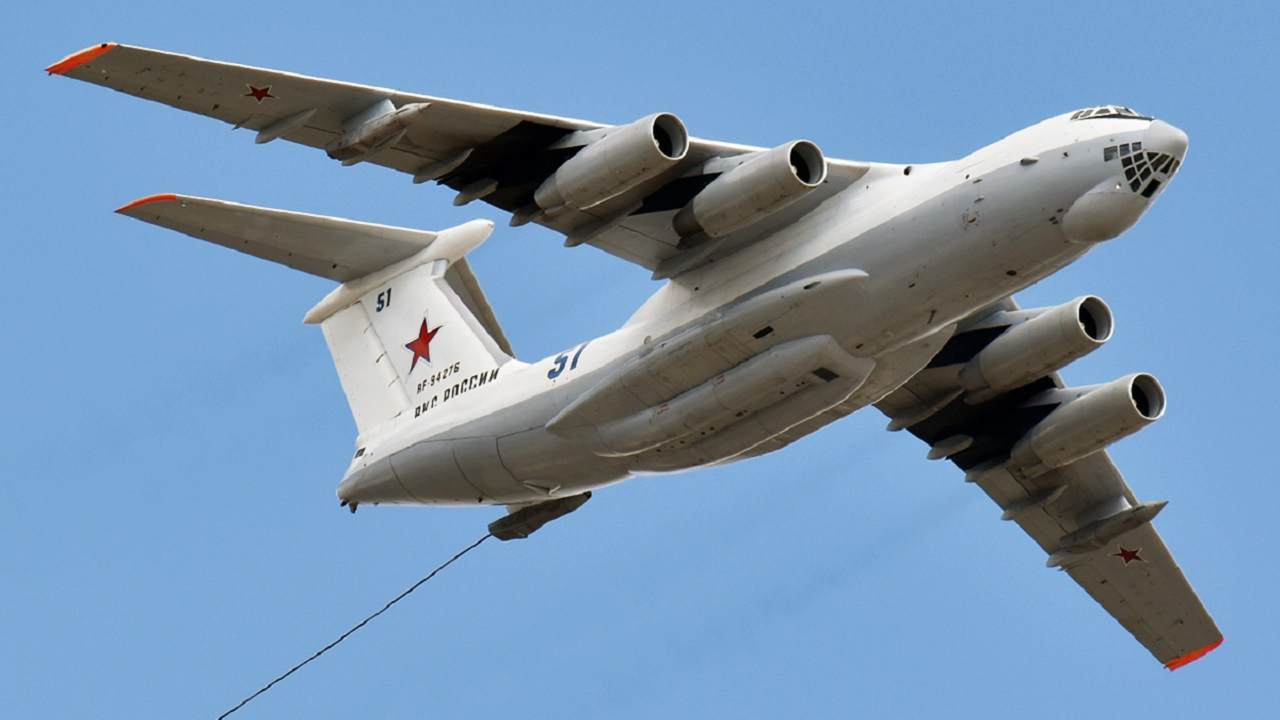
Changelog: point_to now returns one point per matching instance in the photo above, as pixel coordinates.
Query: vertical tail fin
(406, 331)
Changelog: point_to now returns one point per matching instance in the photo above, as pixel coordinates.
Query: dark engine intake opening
(670, 135)
(1095, 319)
(807, 163)
(1147, 396)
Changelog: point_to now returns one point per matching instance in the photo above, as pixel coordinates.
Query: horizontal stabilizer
(397, 284)
(329, 247)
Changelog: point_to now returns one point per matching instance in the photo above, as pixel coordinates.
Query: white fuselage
(936, 242)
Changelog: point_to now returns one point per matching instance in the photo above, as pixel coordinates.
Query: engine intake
(763, 184)
(623, 157)
(1089, 420)
(1031, 349)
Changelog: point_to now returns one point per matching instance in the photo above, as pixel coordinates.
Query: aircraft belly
(715, 343)
(544, 464)
(949, 256)
(726, 400)
(428, 471)
(774, 418)
(375, 482)
(893, 369)
(928, 264)
(482, 467)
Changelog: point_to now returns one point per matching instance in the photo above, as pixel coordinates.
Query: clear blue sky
(173, 434)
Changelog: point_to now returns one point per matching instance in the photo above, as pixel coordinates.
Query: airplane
(798, 289)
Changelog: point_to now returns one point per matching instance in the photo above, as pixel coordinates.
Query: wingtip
(76, 59)
(1193, 656)
(162, 197)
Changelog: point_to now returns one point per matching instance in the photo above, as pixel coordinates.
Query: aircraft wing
(1067, 511)
(491, 153)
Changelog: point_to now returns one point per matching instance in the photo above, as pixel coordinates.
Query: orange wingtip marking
(163, 197)
(75, 60)
(1193, 656)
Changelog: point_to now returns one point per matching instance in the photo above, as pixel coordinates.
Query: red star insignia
(421, 345)
(1128, 555)
(259, 93)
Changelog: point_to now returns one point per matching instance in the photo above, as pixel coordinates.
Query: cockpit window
(1108, 111)
(359, 453)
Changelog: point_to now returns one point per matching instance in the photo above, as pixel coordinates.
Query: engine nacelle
(623, 157)
(763, 184)
(1089, 420)
(1041, 345)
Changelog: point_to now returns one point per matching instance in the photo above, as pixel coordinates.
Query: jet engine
(621, 158)
(764, 183)
(1088, 420)
(1041, 345)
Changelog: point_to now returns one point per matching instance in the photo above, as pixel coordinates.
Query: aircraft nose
(1115, 204)
(1165, 138)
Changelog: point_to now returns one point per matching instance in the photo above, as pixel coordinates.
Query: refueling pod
(378, 127)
